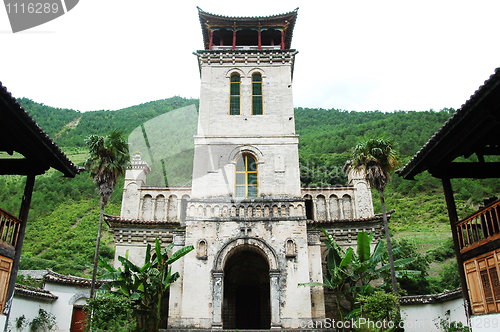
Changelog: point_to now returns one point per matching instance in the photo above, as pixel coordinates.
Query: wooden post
(234, 37)
(282, 39)
(260, 41)
(452, 214)
(23, 216)
(211, 39)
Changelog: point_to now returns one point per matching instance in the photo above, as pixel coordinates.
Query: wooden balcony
(9, 229)
(480, 227)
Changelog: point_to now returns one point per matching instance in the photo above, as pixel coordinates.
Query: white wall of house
(486, 323)
(68, 296)
(423, 317)
(28, 307)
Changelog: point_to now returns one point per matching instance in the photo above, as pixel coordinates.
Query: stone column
(175, 297)
(153, 208)
(141, 203)
(316, 273)
(274, 276)
(217, 295)
(315, 209)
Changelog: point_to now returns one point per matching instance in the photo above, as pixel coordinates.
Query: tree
(107, 161)
(146, 285)
(350, 273)
(109, 312)
(378, 158)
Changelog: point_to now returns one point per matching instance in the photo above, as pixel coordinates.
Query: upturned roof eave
(287, 19)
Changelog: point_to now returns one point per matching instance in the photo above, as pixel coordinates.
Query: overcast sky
(353, 55)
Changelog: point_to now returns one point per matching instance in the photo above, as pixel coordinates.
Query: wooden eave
(210, 21)
(473, 129)
(21, 134)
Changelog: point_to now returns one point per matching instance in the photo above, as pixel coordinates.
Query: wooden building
(25, 149)
(468, 146)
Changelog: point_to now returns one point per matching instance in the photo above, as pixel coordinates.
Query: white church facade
(256, 231)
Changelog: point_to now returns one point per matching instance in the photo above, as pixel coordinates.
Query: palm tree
(108, 160)
(377, 158)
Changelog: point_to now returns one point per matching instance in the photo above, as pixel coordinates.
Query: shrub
(109, 312)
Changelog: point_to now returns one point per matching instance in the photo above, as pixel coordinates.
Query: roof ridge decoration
(117, 220)
(243, 17)
(447, 295)
(34, 292)
(69, 279)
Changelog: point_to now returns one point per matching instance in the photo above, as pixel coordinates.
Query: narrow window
(234, 95)
(246, 177)
(257, 94)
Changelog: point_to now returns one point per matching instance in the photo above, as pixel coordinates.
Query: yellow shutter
(5, 267)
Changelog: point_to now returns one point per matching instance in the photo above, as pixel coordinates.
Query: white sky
(353, 55)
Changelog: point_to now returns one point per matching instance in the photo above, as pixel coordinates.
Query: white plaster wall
(215, 162)
(486, 323)
(67, 295)
(197, 306)
(278, 113)
(270, 136)
(421, 317)
(136, 254)
(29, 308)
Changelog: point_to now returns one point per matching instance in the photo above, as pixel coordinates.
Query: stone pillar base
(216, 327)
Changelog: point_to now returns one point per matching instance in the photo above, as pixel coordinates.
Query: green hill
(63, 218)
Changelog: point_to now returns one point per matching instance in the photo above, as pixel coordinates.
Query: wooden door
(78, 319)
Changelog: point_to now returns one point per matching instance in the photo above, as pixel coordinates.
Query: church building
(256, 231)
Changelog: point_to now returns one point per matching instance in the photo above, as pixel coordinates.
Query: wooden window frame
(246, 173)
(255, 96)
(231, 95)
(484, 295)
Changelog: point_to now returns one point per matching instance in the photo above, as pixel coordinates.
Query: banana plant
(349, 274)
(145, 285)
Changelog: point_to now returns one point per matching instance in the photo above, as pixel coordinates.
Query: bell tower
(246, 146)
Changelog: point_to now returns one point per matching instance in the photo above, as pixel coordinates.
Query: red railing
(480, 227)
(9, 229)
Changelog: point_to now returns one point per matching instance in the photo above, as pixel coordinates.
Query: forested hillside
(63, 219)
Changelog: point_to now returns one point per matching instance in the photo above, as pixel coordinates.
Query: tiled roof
(32, 292)
(377, 217)
(432, 298)
(287, 19)
(250, 18)
(412, 167)
(117, 221)
(37, 143)
(52, 276)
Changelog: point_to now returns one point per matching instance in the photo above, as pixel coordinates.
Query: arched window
(234, 95)
(257, 107)
(246, 177)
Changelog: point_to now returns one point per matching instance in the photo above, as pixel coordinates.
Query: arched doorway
(246, 303)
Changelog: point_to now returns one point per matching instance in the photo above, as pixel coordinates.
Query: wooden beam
(21, 167)
(452, 214)
(467, 170)
(23, 216)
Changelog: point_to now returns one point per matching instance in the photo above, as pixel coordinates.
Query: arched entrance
(246, 303)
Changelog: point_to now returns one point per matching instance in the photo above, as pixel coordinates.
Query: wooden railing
(479, 228)
(9, 229)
